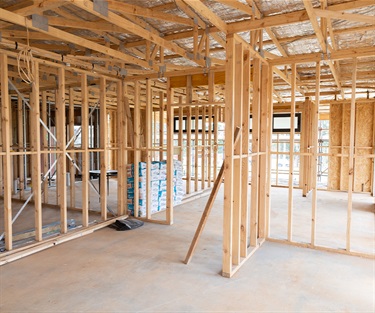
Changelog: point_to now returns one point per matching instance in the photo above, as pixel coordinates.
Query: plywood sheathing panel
(335, 141)
(339, 136)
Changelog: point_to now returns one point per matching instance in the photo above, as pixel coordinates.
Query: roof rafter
(200, 8)
(135, 29)
(146, 12)
(62, 35)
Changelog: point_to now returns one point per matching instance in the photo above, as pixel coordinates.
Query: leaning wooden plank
(209, 204)
(6, 133)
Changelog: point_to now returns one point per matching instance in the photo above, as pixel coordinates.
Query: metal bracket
(208, 62)
(87, 52)
(0, 36)
(109, 67)
(162, 69)
(195, 20)
(190, 55)
(40, 22)
(123, 72)
(150, 62)
(106, 39)
(101, 7)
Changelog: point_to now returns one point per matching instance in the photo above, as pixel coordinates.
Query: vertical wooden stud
(269, 148)
(189, 98)
(103, 145)
(21, 158)
(161, 125)
(137, 131)
(85, 153)
(228, 177)
(148, 146)
(121, 165)
(170, 150)
(255, 152)
(351, 156)
(237, 162)
(72, 169)
(263, 164)
(291, 151)
(61, 145)
(196, 148)
(314, 159)
(245, 153)
(6, 142)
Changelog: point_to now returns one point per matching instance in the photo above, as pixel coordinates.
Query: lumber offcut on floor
(142, 271)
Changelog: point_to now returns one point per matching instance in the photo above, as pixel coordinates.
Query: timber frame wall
(124, 112)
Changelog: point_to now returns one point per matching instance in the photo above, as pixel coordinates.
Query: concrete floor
(142, 271)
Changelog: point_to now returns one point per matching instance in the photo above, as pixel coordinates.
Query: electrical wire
(25, 62)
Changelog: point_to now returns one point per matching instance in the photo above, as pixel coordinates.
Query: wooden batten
(21, 158)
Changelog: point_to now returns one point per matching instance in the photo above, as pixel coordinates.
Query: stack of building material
(158, 185)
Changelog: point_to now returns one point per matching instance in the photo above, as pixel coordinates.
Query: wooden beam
(145, 12)
(203, 10)
(368, 19)
(6, 147)
(133, 28)
(62, 35)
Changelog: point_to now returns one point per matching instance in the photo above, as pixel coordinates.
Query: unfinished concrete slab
(143, 271)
